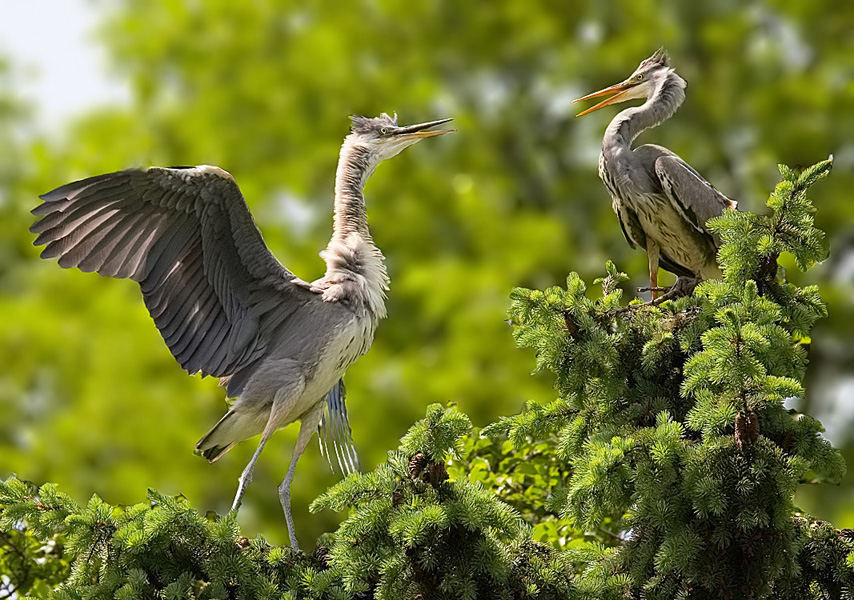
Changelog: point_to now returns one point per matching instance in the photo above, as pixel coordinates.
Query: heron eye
(384, 131)
(639, 77)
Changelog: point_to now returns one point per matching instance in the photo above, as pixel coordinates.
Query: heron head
(639, 84)
(384, 138)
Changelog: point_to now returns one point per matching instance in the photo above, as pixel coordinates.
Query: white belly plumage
(343, 349)
(285, 390)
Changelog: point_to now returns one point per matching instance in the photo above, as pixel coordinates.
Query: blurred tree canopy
(91, 398)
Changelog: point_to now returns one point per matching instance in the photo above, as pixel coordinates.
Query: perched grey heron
(662, 202)
(222, 302)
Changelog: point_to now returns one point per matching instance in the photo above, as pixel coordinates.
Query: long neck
(354, 265)
(354, 168)
(666, 97)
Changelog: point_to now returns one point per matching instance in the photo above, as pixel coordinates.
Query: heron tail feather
(232, 428)
(214, 452)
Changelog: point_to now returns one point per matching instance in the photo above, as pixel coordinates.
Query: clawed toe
(684, 286)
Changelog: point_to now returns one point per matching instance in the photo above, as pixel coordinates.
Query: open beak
(621, 93)
(417, 132)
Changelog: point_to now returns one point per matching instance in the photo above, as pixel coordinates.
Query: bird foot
(684, 286)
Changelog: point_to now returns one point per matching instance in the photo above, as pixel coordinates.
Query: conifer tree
(672, 418)
(162, 548)
(414, 533)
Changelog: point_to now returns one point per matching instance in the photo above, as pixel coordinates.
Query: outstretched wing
(690, 194)
(186, 236)
(335, 428)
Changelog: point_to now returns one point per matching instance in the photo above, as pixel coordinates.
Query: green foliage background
(90, 397)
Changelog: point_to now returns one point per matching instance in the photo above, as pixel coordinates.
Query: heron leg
(246, 476)
(285, 499)
(307, 426)
(653, 252)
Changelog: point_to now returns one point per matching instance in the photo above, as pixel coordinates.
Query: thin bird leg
(246, 476)
(652, 252)
(652, 248)
(307, 427)
(285, 498)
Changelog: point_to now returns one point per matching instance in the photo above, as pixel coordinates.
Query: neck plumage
(660, 106)
(352, 260)
(354, 168)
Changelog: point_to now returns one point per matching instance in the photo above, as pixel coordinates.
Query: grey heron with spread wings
(223, 303)
(662, 202)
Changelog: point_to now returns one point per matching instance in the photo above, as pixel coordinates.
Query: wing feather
(122, 262)
(104, 242)
(632, 229)
(694, 197)
(213, 339)
(60, 241)
(172, 318)
(199, 317)
(186, 236)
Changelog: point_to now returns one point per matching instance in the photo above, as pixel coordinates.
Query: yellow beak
(417, 131)
(621, 93)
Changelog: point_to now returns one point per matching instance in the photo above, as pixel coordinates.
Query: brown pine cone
(417, 464)
(746, 429)
(436, 473)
